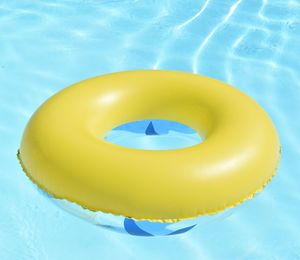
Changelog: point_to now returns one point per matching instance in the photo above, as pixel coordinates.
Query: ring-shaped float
(64, 152)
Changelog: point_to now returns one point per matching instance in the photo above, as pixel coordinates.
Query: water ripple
(185, 23)
(210, 35)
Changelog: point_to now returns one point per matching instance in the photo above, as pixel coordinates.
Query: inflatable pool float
(63, 149)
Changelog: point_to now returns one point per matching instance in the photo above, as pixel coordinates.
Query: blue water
(48, 45)
(153, 135)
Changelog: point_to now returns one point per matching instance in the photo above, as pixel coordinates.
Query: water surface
(48, 45)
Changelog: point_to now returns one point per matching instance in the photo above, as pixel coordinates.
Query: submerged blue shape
(155, 228)
(150, 129)
(132, 228)
(183, 230)
(134, 127)
(164, 136)
(161, 126)
(147, 228)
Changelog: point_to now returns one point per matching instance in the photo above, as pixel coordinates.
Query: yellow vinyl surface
(64, 152)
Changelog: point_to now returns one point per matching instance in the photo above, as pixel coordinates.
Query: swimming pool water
(153, 135)
(50, 44)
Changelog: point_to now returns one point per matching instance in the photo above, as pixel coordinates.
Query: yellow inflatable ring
(64, 152)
